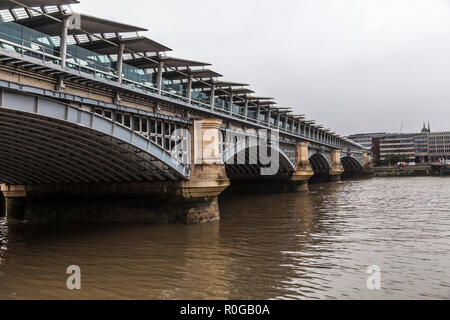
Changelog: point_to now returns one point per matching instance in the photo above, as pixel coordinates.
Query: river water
(314, 245)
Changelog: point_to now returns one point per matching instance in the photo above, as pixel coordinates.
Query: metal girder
(81, 145)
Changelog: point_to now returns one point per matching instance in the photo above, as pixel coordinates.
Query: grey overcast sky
(352, 65)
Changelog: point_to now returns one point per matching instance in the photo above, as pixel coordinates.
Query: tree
(393, 159)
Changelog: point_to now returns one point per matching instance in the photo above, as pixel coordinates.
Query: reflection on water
(290, 246)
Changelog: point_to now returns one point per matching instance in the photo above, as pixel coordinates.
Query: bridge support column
(208, 176)
(337, 169)
(367, 163)
(13, 202)
(2, 205)
(304, 170)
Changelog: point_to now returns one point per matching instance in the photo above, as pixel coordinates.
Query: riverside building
(439, 146)
(422, 147)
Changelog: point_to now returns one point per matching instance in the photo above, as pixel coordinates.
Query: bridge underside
(352, 166)
(53, 170)
(319, 164)
(321, 168)
(41, 150)
(252, 170)
(251, 161)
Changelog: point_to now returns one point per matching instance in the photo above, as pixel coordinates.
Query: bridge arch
(352, 165)
(319, 163)
(245, 158)
(48, 142)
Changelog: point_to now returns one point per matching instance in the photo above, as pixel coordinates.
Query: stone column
(212, 97)
(2, 205)
(337, 169)
(120, 62)
(368, 162)
(258, 114)
(189, 88)
(304, 170)
(159, 77)
(63, 42)
(208, 176)
(231, 103)
(14, 201)
(246, 109)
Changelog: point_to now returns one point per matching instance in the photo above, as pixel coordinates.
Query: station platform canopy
(218, 84)
(134, 44)
(258, 99)
(9, 5)
(236, 92)
(169, 62)
(90, 24)
(259, 103)
(186, 73)
(228, 91)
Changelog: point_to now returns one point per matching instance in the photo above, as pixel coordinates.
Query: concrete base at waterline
(2, 205)
(132, 202)
(129, 208)
(335, 178)
(206, 181)
(16, 208)
(267, 185)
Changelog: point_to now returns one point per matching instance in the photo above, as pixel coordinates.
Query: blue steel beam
(83, 119)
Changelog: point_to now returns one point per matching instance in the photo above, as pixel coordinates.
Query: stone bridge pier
(337, 169)
(2, 205)
(304, 170)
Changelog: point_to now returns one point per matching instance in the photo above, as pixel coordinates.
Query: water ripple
(315, 245)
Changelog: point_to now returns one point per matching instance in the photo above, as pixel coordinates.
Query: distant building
(408, 145)
(421, 143)
(425, 129)
(415, 147)
(439, 146)
(366, 139)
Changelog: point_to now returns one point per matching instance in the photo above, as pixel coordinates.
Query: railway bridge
(98, 123)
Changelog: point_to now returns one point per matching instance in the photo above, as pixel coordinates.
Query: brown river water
(313, 245)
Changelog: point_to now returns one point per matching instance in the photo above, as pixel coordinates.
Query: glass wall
(252, 114)
(272, 121)
(138, 76)
(174, 88)
(40, 45)
(200, 96)
(221, 104)
(263, 118)
(90, 62)
(238, 109)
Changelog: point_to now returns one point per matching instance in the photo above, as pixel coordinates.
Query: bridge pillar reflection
(304, 170)
(337, 169)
